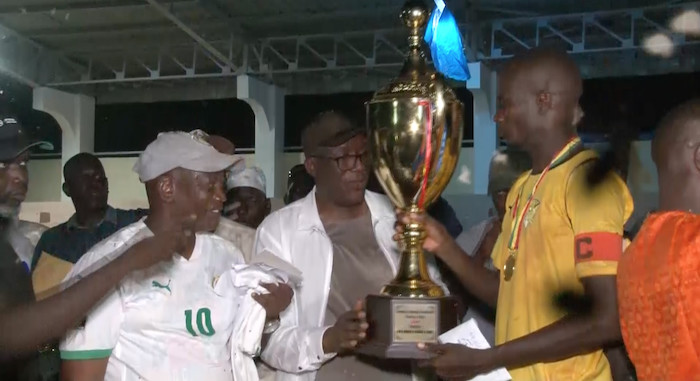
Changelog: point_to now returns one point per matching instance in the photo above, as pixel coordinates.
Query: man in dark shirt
(94, 220)
(15, 289)
(15, 282)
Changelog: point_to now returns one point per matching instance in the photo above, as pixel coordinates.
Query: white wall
(125, 189)
(44, 180)
(124, 185)
(642, 176)
(127, 192)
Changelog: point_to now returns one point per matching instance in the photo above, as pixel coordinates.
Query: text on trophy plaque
(415, 322)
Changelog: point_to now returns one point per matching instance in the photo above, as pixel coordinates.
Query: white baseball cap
(188, 150)
(252, 177)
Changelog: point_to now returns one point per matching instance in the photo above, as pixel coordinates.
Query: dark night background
(632, 105)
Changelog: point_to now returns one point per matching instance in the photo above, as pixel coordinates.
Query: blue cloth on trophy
(445, 41)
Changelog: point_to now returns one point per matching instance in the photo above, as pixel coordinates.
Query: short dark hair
(77, 162)
(328, 129)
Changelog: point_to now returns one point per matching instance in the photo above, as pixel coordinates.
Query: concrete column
(641, 170)
(267, 102)
(75, 114)
(485, 135)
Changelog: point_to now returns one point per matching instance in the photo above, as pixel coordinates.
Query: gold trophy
(415, 132)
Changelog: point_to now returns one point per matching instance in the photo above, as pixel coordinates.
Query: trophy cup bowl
(415, 134)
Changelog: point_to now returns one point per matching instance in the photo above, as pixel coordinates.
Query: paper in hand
(468, 334)
(269, 259)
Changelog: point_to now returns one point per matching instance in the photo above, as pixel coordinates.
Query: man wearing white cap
(246, 201)
(174, 321)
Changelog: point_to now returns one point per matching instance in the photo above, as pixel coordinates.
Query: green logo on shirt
(157, 284)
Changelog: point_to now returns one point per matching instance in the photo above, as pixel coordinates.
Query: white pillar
(75, 114)
(267, 102)
(641, 170)
(485, 134)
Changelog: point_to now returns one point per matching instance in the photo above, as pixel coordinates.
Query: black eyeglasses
(347, 162)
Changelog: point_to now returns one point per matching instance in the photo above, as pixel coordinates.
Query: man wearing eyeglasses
(340, 237)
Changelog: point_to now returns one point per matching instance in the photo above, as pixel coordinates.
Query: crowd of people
(185, 290)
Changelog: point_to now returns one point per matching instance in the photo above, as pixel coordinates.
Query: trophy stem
(412, 279)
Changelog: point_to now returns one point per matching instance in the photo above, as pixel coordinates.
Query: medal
(509, 267)
(519, 217)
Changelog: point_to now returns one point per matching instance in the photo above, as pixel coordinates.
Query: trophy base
(398, 324)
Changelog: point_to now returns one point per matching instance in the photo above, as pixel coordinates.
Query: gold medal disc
(509, 267)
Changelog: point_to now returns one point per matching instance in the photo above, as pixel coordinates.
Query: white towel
(250, 319)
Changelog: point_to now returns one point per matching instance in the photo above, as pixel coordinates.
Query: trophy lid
(417, 79)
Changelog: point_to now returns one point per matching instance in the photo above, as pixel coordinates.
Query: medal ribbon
(517, 224)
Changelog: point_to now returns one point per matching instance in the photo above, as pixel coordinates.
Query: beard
(9, 215)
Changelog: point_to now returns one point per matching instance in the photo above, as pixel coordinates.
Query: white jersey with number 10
(170, 322)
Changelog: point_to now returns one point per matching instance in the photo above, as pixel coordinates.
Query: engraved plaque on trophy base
(397, 324)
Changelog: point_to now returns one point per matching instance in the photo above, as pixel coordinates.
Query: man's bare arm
(50, 318)
(84, 370)
(479, 281)
(570, 336)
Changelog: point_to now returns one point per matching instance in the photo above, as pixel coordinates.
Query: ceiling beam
(223, 14)
(226, 20)
(309, 16)
(222, 19)
(505, 11)
(360, 50)
(7, 68)
(119, 29)
(33, 63)
(209, 48)
(77, 6)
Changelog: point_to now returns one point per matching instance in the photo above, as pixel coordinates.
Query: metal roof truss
(620, 31)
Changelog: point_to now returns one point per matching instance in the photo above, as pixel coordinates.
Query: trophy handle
(412, 278)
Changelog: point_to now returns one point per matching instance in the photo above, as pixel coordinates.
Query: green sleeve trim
(86, 355)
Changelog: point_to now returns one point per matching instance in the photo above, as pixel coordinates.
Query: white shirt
(23, 236)
(470, 241)
(296, 234)
(240, 235)
(172, 321)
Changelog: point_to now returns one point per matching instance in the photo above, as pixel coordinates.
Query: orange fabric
(601, 246)
(659, 298)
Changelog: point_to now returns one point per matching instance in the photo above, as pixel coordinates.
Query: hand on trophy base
(398, 324)
(348, 330)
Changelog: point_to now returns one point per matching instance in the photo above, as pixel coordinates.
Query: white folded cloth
(250, 319)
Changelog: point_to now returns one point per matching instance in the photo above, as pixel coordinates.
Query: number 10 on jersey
(204, 325)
